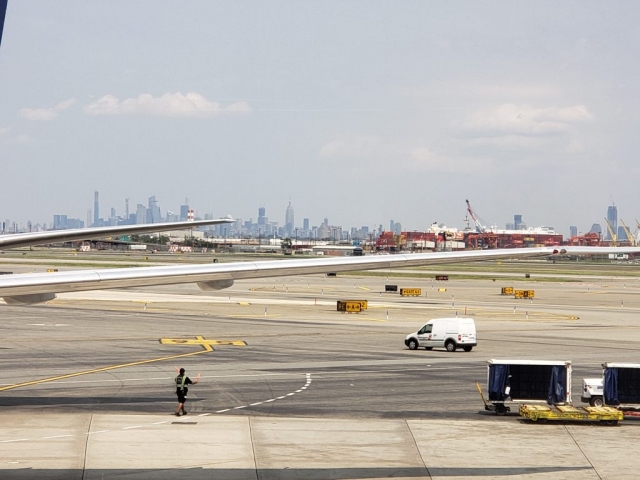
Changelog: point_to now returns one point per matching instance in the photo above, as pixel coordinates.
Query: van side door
(424, 335)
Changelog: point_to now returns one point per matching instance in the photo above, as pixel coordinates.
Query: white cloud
(511, 119)
(46, 114)
(356, 146)
(5, 130)
(168, 105)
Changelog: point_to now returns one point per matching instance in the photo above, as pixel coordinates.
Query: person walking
(182, 382)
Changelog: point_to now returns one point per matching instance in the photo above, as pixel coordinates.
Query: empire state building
(288, 221)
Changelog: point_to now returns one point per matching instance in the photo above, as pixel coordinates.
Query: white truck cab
(592, 392)
(448, 333)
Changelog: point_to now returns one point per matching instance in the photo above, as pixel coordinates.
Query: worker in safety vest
(181, 390)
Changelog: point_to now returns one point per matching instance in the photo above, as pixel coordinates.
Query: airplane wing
(76, 234)
(40, 287)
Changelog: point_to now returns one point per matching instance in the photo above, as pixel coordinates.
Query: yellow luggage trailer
(605, 415)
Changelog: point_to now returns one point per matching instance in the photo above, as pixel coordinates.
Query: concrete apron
(85, 446)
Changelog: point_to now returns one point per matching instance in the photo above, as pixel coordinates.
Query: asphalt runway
(276, 350)
(357, 362)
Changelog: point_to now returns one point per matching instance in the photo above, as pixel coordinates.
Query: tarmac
(292, 389)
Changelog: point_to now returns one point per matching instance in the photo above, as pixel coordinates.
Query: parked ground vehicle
(592, 390)
(449, 333)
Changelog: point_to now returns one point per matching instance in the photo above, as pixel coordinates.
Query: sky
(358, 111)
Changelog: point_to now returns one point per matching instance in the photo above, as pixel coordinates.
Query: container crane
(630, 237)
(612, 234)
(479, 227)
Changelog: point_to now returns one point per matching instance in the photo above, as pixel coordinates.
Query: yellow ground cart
(604, 415)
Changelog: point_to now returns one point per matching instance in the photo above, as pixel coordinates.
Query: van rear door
(467, 333)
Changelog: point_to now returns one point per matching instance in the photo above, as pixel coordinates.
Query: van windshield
(426, 329)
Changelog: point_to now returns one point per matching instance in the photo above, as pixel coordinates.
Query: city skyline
(154, 212)
(359, 111)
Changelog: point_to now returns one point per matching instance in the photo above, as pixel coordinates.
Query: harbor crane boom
(479, 227)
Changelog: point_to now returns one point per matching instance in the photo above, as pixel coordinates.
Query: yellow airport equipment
(507, 290)
(524, 293)
(606, 415)
(349, 306)
(51, 270)
(442, 289)
(410, 292)
(363, 303)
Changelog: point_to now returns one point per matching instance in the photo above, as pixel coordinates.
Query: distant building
(141, 214)
(289, 225)
(612, 218)
(184, 212)
(96, 209)
(573, 231)
(517, 222)
(596, 228)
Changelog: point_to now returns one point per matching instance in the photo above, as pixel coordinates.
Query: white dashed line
(52, 437)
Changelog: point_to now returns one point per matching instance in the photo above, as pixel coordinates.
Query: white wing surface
(77, 234)
(35, 288)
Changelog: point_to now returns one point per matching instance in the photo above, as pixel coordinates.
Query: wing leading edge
(55, 236)
(36, 288)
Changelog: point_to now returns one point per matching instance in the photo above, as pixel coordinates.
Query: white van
(449, 333)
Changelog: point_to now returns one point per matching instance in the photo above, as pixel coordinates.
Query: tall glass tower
(612, 218)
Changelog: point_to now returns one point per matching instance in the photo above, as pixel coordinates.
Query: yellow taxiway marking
(200, 340)
(98, 370)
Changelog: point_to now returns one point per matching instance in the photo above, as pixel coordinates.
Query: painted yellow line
(244, 303)
(200, 340)
(98, 370)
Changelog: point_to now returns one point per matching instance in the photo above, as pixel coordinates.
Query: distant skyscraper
(184, 212)
(305, 224)
(289, 220)
(96, 209)
(612, 218)
(573, 231)
(517, 221)
(262, 218)
(141, 214)
(153, 211)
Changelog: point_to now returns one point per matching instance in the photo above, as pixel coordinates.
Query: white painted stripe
(160, 423)
(241, 406)
(270, 400)
(257, 403)
(289, 394)
(222, 411)
(57, 436)
(298, 391)
(97, 431)
(204, 414)
(129, 428)
(16, 440)
(278, 398)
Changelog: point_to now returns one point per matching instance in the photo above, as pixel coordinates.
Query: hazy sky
(359, 111)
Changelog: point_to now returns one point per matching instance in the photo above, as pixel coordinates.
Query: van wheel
(413, 344)
(450, 346)
(596, 402)
(467, 349)
(428, 348)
